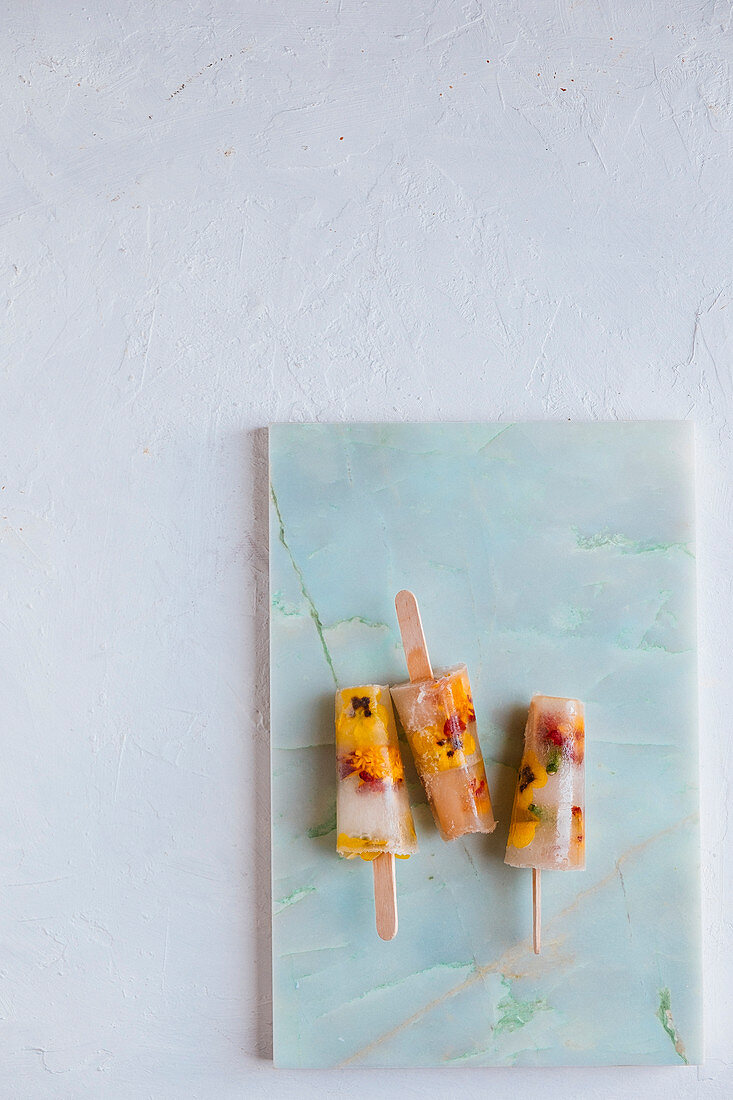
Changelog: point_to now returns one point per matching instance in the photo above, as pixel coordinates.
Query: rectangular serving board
(550, 557)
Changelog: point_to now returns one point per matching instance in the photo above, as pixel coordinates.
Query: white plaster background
(216, 215)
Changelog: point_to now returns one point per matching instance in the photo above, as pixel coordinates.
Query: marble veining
(550, 557)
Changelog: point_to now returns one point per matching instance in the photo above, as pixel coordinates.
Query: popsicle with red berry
(547, 832)
(439, 719)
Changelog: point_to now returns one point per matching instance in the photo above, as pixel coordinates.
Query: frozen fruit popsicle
(373, 813)
(440, 722)
(547, 832)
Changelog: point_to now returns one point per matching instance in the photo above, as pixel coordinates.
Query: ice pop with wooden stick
(547, 832)
(373, 816)
(437, 713)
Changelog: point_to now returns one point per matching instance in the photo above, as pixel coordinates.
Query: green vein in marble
(467, 850)
(626, 899)
(279, 603)
(469, 1054)
(357, 619)
(298, 572)
(644, 645)
(328, 825)
(456, 570)
(664, 1015)
(314, 950)
(291, 899)
(516, 1013)
(623, 641)
(494, 437)
(627, 545)
(291, 610)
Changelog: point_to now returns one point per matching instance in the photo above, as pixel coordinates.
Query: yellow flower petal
(354, 845)
(533, 775)
(522, 833)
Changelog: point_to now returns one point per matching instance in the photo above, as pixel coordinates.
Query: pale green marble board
(550, 557)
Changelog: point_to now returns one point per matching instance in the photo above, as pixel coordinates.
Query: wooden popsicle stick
(385, 896)
(413, 639)
(536, 910)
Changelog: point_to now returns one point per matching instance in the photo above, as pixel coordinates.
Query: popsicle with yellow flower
(373, 816)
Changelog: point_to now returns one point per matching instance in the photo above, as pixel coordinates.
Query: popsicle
(547, 832)
(438, 716)
(373, 816)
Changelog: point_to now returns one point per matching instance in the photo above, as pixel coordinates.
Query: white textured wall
(216, 215)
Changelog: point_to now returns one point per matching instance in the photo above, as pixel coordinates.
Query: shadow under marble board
(549, 557)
